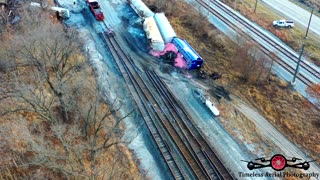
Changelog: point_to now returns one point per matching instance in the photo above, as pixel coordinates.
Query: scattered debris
(202, 74)
(205, 99)
(110, 32)
(169, 57)
(218, 92)
(216, 75)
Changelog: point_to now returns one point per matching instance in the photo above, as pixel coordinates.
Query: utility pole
(298, 64)
(255, 6)
(309, 24)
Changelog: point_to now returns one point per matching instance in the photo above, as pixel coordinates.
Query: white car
(283, 23)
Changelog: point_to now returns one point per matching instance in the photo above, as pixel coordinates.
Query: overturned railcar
(141, 9)
(165, 27)
(153, 34)
(192, 58)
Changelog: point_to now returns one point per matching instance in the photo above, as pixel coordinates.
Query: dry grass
(243, 129)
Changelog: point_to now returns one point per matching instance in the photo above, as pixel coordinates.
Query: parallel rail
(160, 113)
(161, 120)
(213, 165)
(144, 95)
(292, 56)
(143, 105)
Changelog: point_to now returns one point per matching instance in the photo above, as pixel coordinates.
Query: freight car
(95, 9)
(153, 34)
(140, 8)
(192, 58)
(165, 28)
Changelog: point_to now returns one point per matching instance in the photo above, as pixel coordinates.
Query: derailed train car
(153, 34)
(165, 27)
(192, 58)
(140, 8)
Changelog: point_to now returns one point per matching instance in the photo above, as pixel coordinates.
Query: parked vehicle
(283, 23)
(95, 9)
(192, 58)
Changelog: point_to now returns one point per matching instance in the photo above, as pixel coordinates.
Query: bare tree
(58, 114)
(251, 65)
(53, 63)
(100, 130)
(71, 150)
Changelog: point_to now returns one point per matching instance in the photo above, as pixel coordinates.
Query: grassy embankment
(287, 110)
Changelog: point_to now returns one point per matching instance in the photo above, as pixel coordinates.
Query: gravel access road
(270, 132)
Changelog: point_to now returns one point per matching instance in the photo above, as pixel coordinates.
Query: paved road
(296, 13)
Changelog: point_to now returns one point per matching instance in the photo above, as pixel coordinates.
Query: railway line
(142, 104)
(271, 42)
(186, 157)
(212, 163)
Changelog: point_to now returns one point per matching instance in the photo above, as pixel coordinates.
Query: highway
(296, 13)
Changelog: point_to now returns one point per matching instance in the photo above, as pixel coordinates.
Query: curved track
(185, 155)
(271, 42)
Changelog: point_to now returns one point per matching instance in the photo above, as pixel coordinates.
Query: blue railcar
(191, 57)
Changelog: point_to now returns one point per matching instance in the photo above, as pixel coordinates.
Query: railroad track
(142, 104)
(181, 146)
(271, 42)
(142, 95)
(151, 103)
(211, 162)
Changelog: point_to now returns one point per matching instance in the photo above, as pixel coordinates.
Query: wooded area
(54, 121)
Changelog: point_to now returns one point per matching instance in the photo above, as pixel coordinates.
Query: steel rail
(213, 161)
(264, 49)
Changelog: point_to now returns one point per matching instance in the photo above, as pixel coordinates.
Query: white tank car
(153, 34)
(140, 8)
(165, 27)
